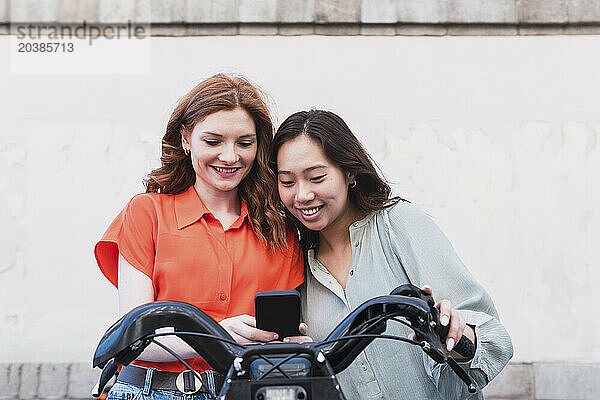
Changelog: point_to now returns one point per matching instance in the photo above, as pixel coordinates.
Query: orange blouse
(177, 242)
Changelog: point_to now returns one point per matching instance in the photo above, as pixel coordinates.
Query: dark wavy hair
(371, 193)
(258, 189)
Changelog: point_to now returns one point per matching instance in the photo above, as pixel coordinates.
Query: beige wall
(496, 137)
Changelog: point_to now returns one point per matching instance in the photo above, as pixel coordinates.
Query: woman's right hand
(243, 330)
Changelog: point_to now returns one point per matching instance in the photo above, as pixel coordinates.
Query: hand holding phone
(242, 329)
(279, 312)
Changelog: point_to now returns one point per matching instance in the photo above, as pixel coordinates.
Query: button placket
(355, 254)
(215, 230)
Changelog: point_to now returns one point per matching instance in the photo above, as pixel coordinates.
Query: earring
(186, 151)
(353, 184)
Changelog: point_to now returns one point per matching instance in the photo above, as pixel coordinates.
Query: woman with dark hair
(206, 232)
(360, 242)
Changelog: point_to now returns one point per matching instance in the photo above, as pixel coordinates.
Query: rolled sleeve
(433, 261)
(494, 350)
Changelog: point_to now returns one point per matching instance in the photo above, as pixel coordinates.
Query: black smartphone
(278, 311)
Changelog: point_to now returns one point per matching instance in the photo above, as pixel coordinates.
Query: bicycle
(285, 371)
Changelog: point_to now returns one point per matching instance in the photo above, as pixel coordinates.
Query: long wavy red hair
(258, 189)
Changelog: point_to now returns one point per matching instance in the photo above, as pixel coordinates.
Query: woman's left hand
(458, 325)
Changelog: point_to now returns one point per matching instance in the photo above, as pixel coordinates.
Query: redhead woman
(206, 232)
(361, 242)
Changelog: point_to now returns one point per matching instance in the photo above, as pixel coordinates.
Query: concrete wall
(321, 17)
(496, 137)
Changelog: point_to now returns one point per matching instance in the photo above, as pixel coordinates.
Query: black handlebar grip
(109, 370)
(465, 347)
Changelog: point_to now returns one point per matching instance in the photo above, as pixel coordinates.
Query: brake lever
(464, 346)
(439, 354)
(109, 370)
(125, 357)
(461, 374)
(429, 329)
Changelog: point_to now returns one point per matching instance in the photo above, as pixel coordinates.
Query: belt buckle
(191, 379)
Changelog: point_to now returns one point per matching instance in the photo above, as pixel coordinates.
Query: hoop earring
(186, 151)
(353, 184)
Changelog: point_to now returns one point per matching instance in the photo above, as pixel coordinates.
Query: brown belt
(184, 382)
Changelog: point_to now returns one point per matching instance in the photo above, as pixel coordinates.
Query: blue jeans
(126, 391)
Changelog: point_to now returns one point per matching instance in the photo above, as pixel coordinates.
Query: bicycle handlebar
(369, 318)
(464, 346)
(128, 337)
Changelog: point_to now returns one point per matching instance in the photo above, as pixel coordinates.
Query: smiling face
(222, 149)
(311, 187)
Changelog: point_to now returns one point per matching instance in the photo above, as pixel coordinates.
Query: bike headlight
(280, 393)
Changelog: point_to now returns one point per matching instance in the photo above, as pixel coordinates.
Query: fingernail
(444, 320)
(450, 344)
(411, 336)
(286, 340)
(275, 336)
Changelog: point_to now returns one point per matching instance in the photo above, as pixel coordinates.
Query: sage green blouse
(391, 247)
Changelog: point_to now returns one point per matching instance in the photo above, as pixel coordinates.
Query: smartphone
(278, 311)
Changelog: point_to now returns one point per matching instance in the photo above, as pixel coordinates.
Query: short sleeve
(132, 234)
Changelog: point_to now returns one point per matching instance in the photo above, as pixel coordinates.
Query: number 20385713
(51, 47)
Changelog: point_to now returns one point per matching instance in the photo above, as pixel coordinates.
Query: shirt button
(355, 224)
(356, 244)
(223, 296)
(351, 272)
(363, 367)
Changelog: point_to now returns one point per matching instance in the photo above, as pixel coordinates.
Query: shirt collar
(362, 222)
(321, 274)
(189, 209)
(243, 216)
